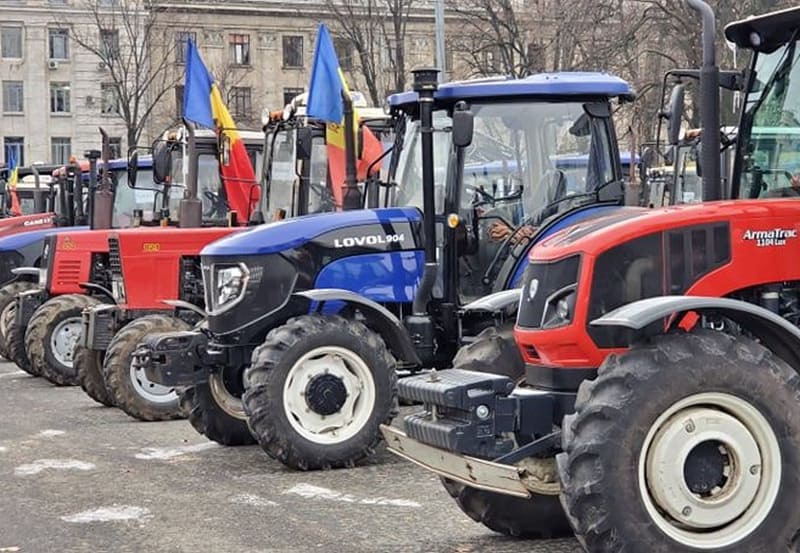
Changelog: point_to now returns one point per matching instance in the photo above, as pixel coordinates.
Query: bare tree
(376, 31)
(126, 37)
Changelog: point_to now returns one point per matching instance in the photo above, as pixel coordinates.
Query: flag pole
(352, 197)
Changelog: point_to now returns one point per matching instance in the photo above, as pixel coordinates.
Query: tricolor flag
(325, 103)
(13, 176)
(203, 105)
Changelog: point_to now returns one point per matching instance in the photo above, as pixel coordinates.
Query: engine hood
(292, 233)
(23, 239)
(598, 235)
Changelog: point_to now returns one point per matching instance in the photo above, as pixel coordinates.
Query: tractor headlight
(559, 308)
(230, 282)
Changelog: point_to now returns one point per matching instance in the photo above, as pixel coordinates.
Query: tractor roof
(765, 33)
(546, 86)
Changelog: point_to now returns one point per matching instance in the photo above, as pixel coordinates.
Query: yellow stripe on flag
(334, 134)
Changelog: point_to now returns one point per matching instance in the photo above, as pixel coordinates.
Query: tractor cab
(540, 147)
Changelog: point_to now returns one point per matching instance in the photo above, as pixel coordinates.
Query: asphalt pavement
(78, 477)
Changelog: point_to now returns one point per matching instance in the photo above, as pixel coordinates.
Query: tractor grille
(114, 261)
(68, 271)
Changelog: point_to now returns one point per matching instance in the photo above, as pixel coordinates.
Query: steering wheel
(218, 205)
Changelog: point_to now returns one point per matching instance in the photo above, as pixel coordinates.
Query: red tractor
(295, 182)
(661, 355)
(41, 337)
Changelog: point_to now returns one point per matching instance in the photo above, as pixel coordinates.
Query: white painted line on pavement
(109, 514)
(49, 433)
(309, 491)
(252, 500)
(163, 453)
(59, 464)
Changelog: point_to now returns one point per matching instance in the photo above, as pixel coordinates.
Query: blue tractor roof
(544, 85)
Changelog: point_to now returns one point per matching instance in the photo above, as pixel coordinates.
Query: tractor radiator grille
(114, 261)
(68, 272)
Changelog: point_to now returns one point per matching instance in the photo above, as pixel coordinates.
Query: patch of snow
(309, 491)
(57, 464)
(252, 500)
(108, 514)
(163, 453)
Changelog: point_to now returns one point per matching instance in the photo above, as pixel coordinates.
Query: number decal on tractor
(772, 237)
(374, 240)
(151, 247)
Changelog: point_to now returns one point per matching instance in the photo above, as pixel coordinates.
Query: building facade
(56, 91)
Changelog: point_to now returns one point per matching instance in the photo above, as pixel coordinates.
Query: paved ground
(77, 477)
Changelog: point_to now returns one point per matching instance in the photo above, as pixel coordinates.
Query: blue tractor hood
(21, 240)
(291, 233)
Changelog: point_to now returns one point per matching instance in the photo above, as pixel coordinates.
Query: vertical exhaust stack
(709, 105)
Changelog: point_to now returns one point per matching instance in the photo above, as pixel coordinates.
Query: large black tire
(210, 419)
(273, 363)
(89, 363)
(15, 340)
(61, 313)
(8, 294)
(125, 393)
(627, 419)
(540, 516)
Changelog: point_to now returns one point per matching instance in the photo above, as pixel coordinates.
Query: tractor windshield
(144, 197)
(280, 172)
(769, 138)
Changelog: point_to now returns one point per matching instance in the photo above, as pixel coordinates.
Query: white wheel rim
(356, 409)
(149, 390)
(225, 400)
(64, 339)
(750, 481)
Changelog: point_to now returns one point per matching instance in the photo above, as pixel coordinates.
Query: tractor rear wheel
(8, 294)
(317, 390)
(689, 442)
(126, 381)
(15, 341)
(52, 334)
(89, 364)
(539, 516)
(215, 409)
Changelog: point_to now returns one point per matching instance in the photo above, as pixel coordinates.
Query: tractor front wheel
(52, 334)
(8, 295)
(125, 379)
(317, 390)
(215, 409)
(690, 442)
(89, 365)
(539, 516)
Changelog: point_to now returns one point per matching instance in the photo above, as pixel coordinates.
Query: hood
(23, 239)
(291, 233)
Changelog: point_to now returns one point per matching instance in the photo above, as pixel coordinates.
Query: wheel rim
(709, 470)
(228, 402)
(323, 372)
(64, 338)
(149, 390)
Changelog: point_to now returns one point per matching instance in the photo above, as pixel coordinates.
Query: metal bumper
(477, 473)
(27, 303)
(179, 358)
(100, 324)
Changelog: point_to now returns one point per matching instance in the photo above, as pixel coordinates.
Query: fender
(180, 304)
(775, 332)
(377, 317)
(506, 301)
(26, 271)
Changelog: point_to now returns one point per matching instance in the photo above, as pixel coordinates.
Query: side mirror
(133, 169)
(675, 114)
(162, 163)
(303, 143)
(463, 124)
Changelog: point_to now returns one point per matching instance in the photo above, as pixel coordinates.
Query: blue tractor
(311, 320)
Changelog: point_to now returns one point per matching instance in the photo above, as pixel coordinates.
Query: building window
(11, 42)
(290, 93)
(14, 147)
(59, 98)
(179, 101)
(13, 97)
(108, 3)
(239, 99)
(240, 49)
(109, 42)
(344, 51)
(60, 150)
(181, 41)
(59, 44)
(293, 51)
(115, 147)
(109, 99)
